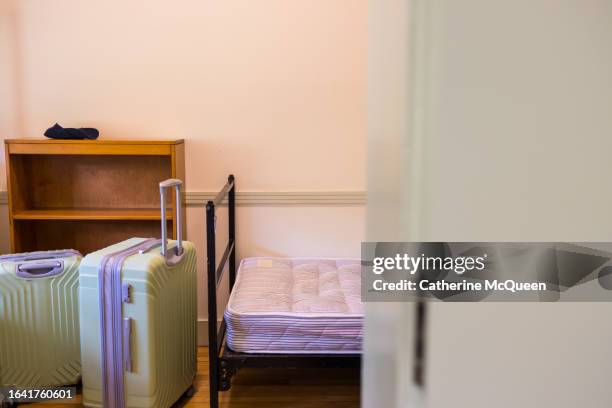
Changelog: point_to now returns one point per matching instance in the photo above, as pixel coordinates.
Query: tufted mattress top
(296, 305)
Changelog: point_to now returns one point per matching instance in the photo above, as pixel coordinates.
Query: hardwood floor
(277, 388)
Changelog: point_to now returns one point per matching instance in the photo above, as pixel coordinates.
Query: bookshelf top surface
(94, 142)
(92, 147)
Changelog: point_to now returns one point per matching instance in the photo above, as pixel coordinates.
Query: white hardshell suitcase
(138, 319)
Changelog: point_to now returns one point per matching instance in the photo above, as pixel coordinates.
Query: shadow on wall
(12, 112)
(4, 230)
(265, 251)
(10, 16)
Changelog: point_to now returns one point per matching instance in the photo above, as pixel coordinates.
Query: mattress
(296, 305)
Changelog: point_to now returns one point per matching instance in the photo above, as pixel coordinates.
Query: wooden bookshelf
(88, 194)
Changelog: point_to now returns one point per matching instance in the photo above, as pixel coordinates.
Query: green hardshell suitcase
(39, 319)
(138, 320)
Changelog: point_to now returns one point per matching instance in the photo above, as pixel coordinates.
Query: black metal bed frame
(223, 362)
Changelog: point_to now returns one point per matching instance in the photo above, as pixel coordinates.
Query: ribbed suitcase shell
(39, 325)
(163, 340)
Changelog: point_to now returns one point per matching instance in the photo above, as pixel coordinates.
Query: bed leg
(226, 372)
(213, 348)
(213, 389)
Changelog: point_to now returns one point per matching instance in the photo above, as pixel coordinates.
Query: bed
(282, 312)
(296, 305)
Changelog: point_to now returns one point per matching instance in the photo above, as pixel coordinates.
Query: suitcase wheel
(190, 391)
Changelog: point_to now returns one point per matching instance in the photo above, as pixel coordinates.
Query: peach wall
(9, 99)
(271, 90)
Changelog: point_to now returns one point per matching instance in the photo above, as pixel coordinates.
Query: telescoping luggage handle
(178, 250)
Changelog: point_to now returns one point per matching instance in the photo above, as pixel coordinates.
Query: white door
(509, 114)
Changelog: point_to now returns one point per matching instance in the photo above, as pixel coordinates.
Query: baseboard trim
(203, 331)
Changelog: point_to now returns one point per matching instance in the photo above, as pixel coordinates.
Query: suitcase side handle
(39, 255)
(177, 184)
(35, 270)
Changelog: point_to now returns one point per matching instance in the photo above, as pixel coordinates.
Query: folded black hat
(58, 132)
